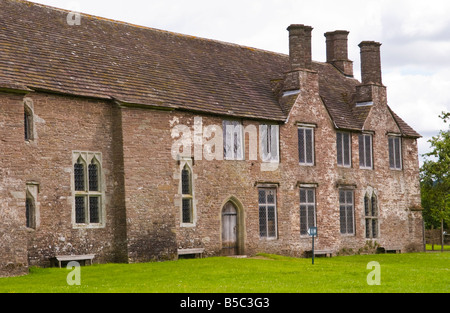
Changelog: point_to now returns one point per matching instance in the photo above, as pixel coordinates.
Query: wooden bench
(392, 249)
(195, 251)
(327, 253)
(67, 258)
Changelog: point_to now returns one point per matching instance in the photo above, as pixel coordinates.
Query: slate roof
(132, 64)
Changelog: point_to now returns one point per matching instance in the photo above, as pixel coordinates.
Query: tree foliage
(435, 179)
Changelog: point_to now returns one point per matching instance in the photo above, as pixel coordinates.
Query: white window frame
(269, 135)
(233, 140)
(86, 158)
(305, 162)
(395, 154)
(363, 164)
(341, 142)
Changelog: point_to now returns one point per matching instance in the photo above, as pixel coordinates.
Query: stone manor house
(136, 144)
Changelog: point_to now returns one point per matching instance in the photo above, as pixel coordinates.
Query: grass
(410, 273)
(437, 247)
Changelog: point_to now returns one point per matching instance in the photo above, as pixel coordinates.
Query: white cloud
(419, 100)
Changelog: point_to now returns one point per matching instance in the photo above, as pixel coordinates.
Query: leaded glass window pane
(371, 216)
(262, 221)
(271, 229)
(339, 148)
(346, 211)
(307, 209)
(301, 145)
(27, 125)
(87, 188)
(80, 216)
(361, 151)
(187, 211)
(365, 151)
(366, 205)
(397, 153)
(267, 212)
(93, 177)
(374, 228)
(342, 220)
(374, 205)
(309, 146)
(306, 146)
(79, 176)
(261, 196)
(29, 212)
(303, 220)
(185, 182)
(346, 149)
(349, 219)
(94, 205)
(368, 150)
(391, 152)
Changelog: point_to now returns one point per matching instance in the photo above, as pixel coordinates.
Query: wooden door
(229, 230)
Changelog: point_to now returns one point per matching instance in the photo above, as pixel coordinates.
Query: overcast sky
(415, 34)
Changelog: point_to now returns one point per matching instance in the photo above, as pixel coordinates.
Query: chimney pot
(300, 46)
(370, 63)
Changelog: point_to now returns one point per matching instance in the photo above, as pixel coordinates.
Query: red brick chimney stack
(337, 51)
(370, 63)
(300, 47)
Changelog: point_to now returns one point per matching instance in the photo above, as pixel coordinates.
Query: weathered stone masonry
(93, 98)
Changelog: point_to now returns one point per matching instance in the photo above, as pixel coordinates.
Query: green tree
(435, 180)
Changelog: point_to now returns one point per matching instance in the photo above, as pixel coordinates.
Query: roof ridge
(106, 19)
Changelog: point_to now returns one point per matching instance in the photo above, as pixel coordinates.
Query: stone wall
(141, 181)
(63, 125)
(13, 233)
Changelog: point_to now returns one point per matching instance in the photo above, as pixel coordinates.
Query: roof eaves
(13, 87)
(409, 133)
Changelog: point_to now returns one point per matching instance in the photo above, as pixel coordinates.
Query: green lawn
(438, 247)
(416, 272)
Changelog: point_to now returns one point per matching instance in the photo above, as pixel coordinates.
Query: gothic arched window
(87, 188)
(371, 215)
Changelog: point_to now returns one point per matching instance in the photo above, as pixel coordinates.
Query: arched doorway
(230, 229)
